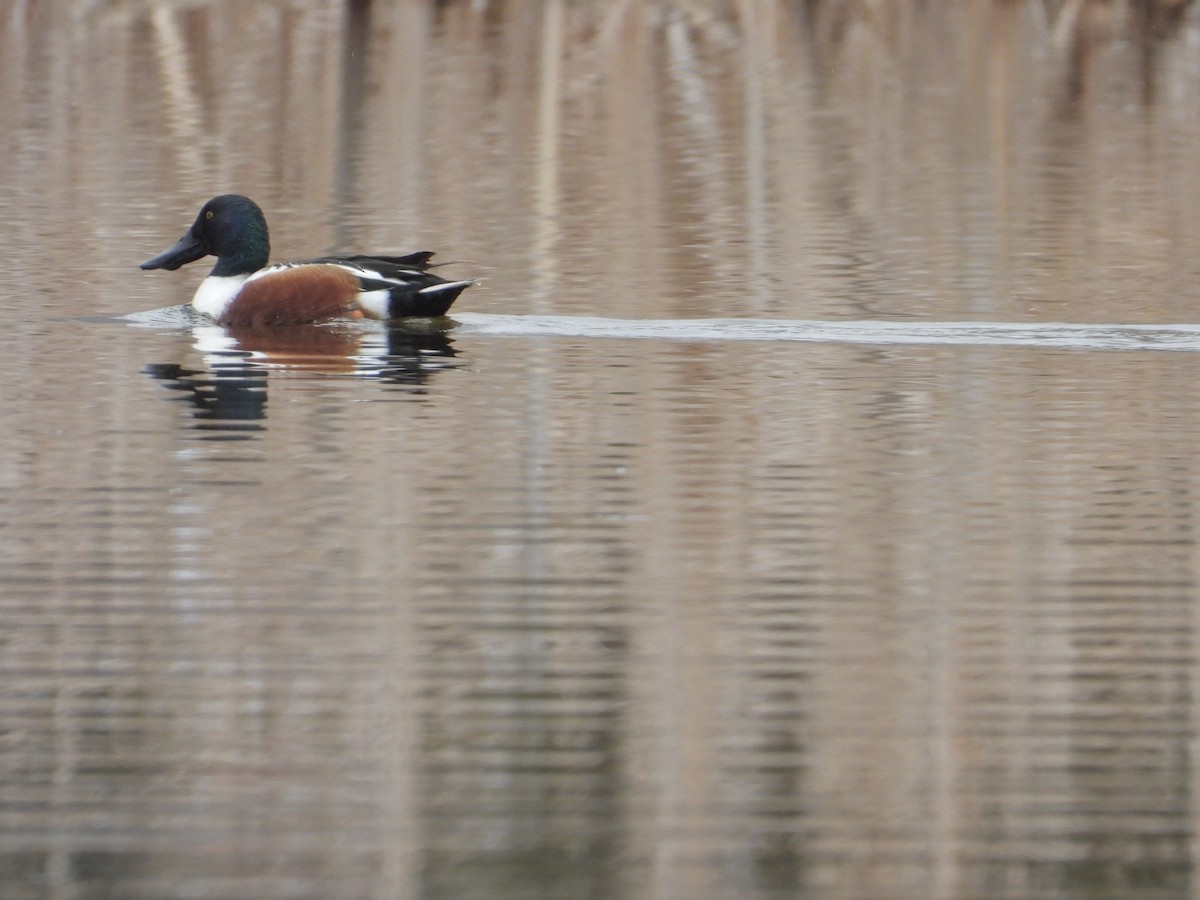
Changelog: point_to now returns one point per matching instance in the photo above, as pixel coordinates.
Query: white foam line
(1048, 335)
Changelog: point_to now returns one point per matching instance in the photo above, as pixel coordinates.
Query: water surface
(799, 506)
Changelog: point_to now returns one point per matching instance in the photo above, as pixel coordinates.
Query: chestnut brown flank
(294, 297)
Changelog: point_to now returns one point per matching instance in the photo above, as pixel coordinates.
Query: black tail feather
(419, 261)
(433, 300)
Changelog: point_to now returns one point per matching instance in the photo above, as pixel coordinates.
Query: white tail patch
(375, 304)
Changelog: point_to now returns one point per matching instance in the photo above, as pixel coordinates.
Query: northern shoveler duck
(243, 290)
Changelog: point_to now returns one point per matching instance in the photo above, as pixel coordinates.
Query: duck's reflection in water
(231, 385)
(398, 353)
(229, 395)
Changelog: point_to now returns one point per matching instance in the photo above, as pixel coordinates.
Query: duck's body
(243, 290)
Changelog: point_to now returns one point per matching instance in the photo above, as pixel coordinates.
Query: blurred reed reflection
(1003, 160)
(376, 614)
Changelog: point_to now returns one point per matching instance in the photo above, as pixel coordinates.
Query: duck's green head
(230, 227)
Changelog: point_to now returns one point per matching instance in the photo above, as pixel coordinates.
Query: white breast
(215, 294)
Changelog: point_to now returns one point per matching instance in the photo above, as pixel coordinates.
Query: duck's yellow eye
(209, 214)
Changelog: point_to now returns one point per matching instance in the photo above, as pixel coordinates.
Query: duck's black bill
(187, 249)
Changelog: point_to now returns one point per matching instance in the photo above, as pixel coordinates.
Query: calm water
(759, 531)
